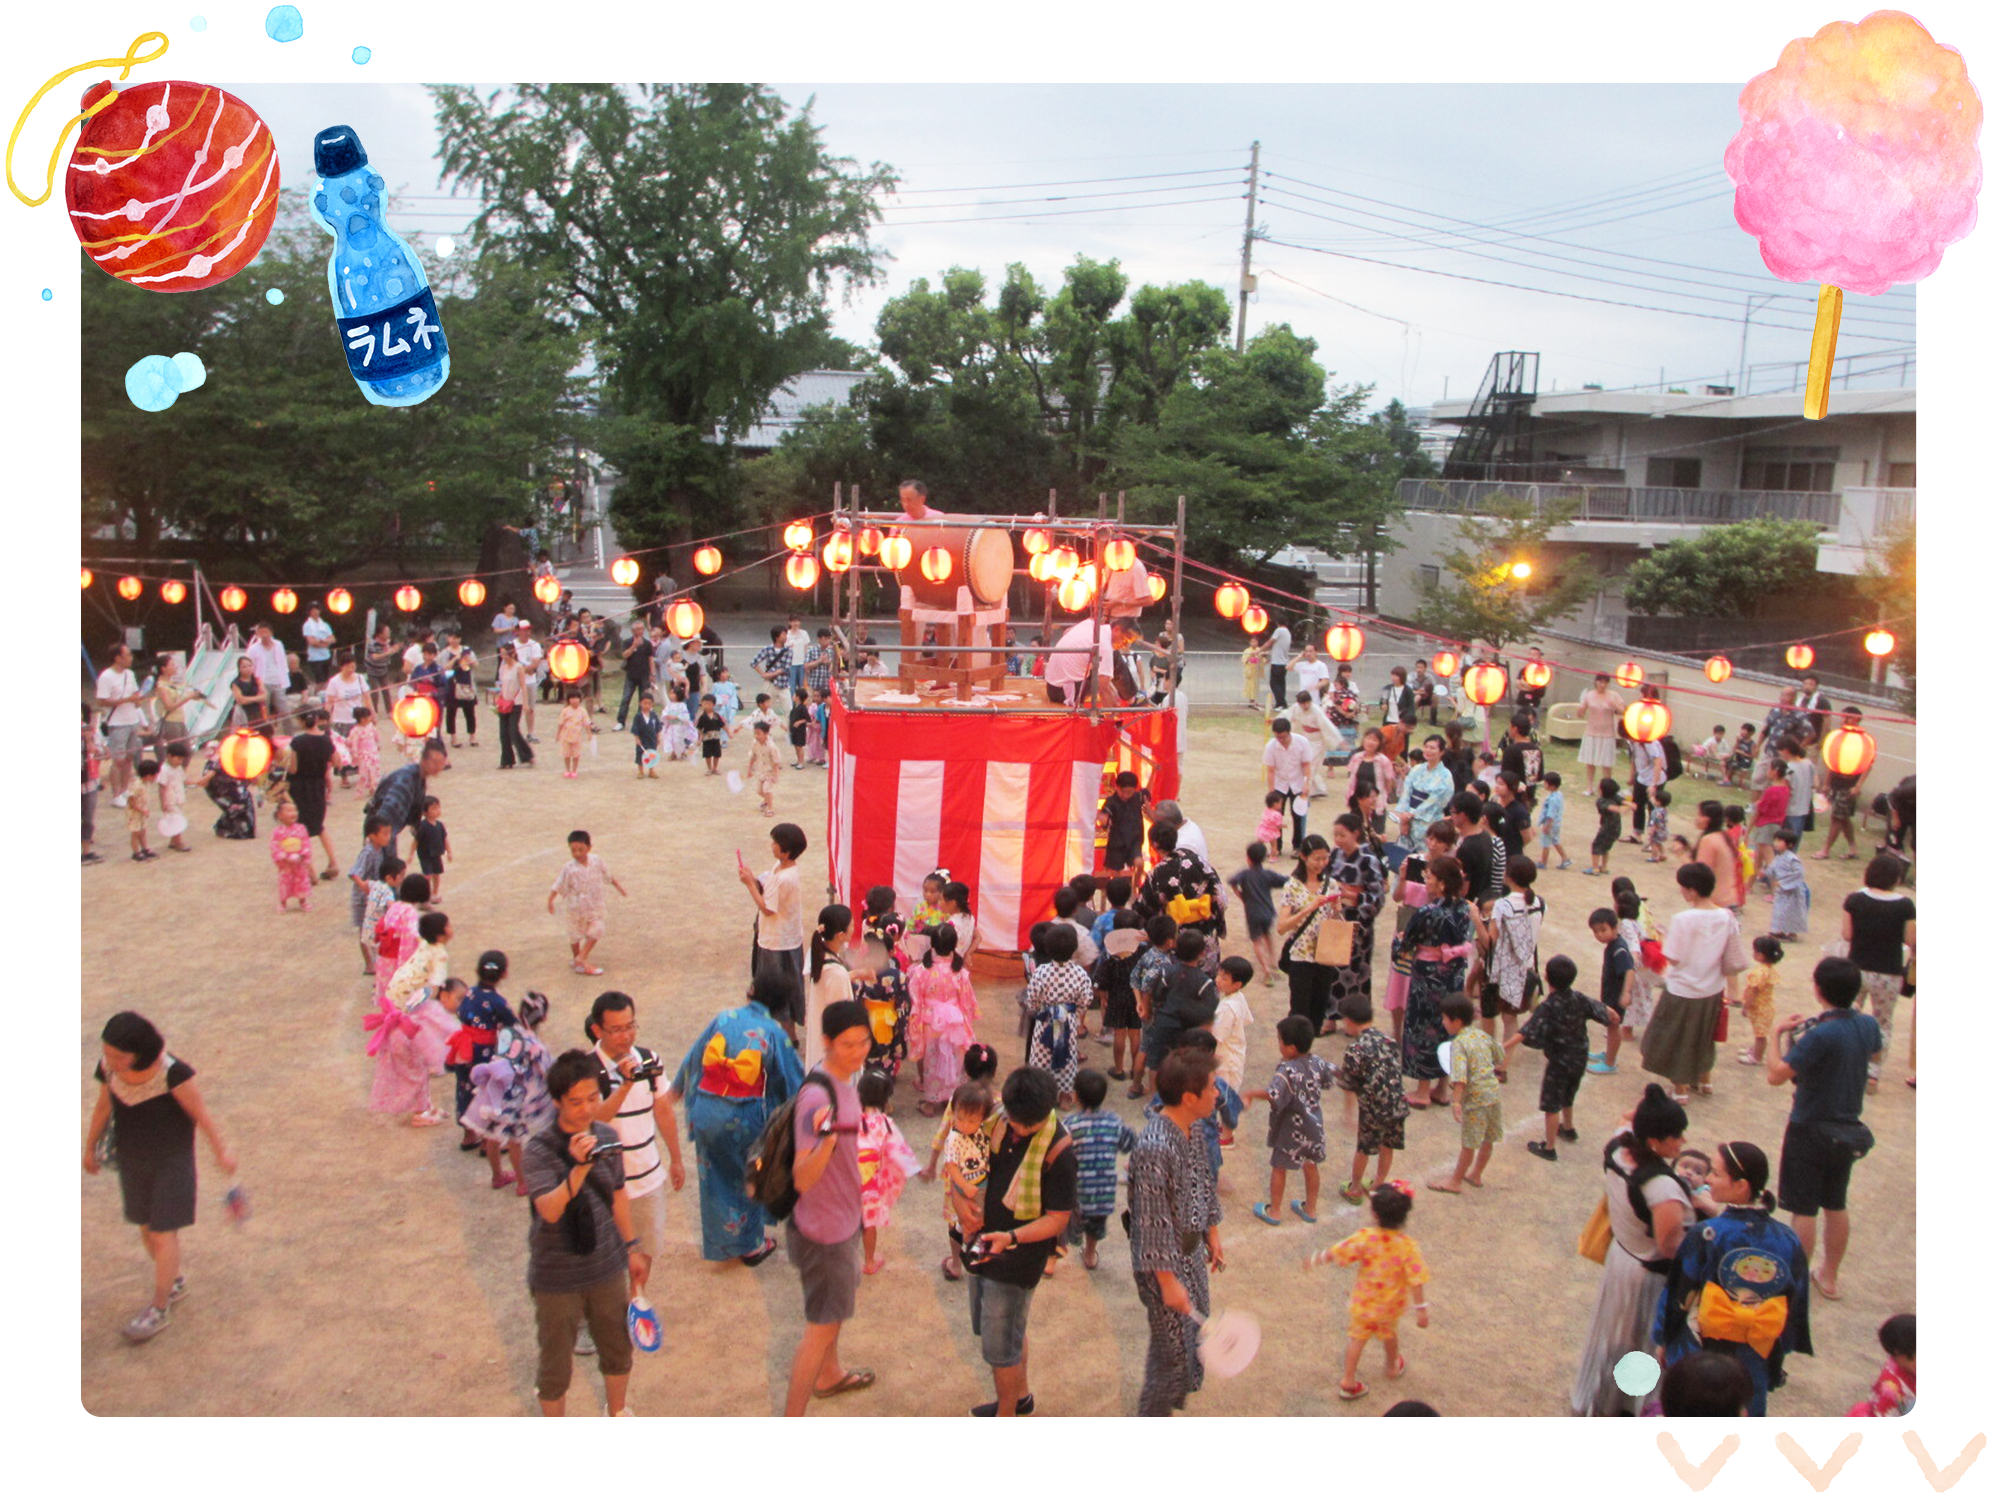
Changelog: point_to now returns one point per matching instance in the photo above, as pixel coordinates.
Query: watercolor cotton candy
(1858, 160)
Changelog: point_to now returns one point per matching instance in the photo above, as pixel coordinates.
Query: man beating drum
(1070, 663)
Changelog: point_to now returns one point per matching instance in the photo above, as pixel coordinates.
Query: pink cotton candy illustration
(1857, 164)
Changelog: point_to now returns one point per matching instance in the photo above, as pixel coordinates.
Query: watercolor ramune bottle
(382, 303)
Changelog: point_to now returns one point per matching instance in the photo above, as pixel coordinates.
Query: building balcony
(1866, 517)
(1644, 504)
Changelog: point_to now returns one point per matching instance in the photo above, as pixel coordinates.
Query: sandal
(1299, 1208)
(505, 1179)
(1263, 1211)
(1119, 1073)
(761, 1254)
(1416, 1101)
(950, 1269)
(1350, 1192)
(1396, 1370)
(1360, 1389)
(1823, 1289)
(853, 1380)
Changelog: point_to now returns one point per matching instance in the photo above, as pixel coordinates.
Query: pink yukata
(580, 890)
(291, 852)
(395, 941)
(409, 1034)
(943, 1011)
(886, 1164)
(364, 742)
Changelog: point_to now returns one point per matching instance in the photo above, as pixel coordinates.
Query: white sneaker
(148, 1323)
(623, 1411)
(121, 799)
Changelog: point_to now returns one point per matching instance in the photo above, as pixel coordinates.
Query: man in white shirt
(528, 652)
(1070, 664)
(1281, 658)
(118, 700)
(267, 654)
(1288, 766)
(1190, 835)
(798, 643)
(319, 645)
(637, 1106)
(1312, 672)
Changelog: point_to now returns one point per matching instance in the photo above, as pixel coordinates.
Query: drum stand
(972, 654)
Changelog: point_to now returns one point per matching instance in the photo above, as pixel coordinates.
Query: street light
(1522, 571)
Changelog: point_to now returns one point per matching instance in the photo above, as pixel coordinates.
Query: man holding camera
(583, 1262)
(635, 1105)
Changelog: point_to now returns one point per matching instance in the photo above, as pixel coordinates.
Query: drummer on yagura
(916, 500)
(1069, 664)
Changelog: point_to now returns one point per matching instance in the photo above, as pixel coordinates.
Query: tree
(693, 234)
(277, 458)
(1264, 453)
(1477, 597)
(1889, 579)
(1726, 571)
(1393, 421)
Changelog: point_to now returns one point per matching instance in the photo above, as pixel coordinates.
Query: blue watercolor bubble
(193, 373)
(153, 384)
(197, 23)
(47, 295)
(284, 24)
(362, 54)
(1637, 1373)
(274, 296)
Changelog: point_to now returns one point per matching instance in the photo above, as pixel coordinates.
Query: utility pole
(1249, 282)
(1743, 345)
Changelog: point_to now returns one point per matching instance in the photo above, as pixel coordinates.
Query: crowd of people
(1152, 958)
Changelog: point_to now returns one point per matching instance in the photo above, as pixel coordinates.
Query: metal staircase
(1497, 418)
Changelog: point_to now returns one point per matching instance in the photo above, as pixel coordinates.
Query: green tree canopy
(1890, 581)
(277, 458)
(1477, 598)
(1724, 572)
(693, 233)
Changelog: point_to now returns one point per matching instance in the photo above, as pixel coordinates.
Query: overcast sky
(1601, 173)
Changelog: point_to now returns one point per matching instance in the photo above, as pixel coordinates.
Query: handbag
(1834, 948)
(465, 692)
(1333, 945)
(503, 705)
(1594, 1243)
(1849, 1138)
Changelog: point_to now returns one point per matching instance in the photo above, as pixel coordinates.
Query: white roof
(1660, 404)
(794, 398)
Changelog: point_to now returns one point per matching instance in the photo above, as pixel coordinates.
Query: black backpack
(770, 1177)
(1670, 747)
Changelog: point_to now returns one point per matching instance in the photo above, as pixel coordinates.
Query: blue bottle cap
(337, 151)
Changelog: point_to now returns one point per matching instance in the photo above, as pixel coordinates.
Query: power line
(1059, 212)
(1067, 182)
(1178, 187)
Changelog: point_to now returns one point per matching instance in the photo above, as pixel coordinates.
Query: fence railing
(1623, 502)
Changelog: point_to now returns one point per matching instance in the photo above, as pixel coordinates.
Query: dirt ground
(379, 1275)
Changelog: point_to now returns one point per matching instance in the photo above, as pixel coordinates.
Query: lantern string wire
(132, 58)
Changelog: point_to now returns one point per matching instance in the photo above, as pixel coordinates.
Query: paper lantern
(1486, 683)
(1063, 562)
(284, 601)
(1344, 642)
(232, 598)
(548, 588)
(1849, 752)
(625, 572)
(244, 754)
(838, 553)
(1120, 554)
(1231, 600)
(130, 587)
(801, 572)
(416, 716)
(1075, 594)
(472, 593)
(1038, 568)
(707, 561)
(172, 186)
(173, 591)
(935, 564)
(1537, 674)
(1156, 586)
(88, 578)
(339, 601)
(1718, 669)
(569, 661)
(1036, 539)
(409, 599)
(799, 535)
(895, 553)
(1256, 619)
(684, 618)
(1647, 720)
(1629, 674)
(870, 540)
(1878, 642)
(1445, 664)
(1799, 657)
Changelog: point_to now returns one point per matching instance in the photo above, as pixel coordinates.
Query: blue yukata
(481, 1011)
(1208, 1129)
(1793, 899)
(645, 734)
(1100, 1138)
(739, 1070)
(1739, 1285)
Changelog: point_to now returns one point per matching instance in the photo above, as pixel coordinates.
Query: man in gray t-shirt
(1799, 775)
(1281, 658)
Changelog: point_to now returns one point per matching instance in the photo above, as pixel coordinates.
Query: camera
(648, 1069)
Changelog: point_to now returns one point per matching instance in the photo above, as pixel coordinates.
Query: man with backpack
(823, 1231)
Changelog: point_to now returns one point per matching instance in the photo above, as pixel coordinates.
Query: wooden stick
(1826, 335)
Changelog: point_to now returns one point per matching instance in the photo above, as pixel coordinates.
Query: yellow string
(132, 58)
